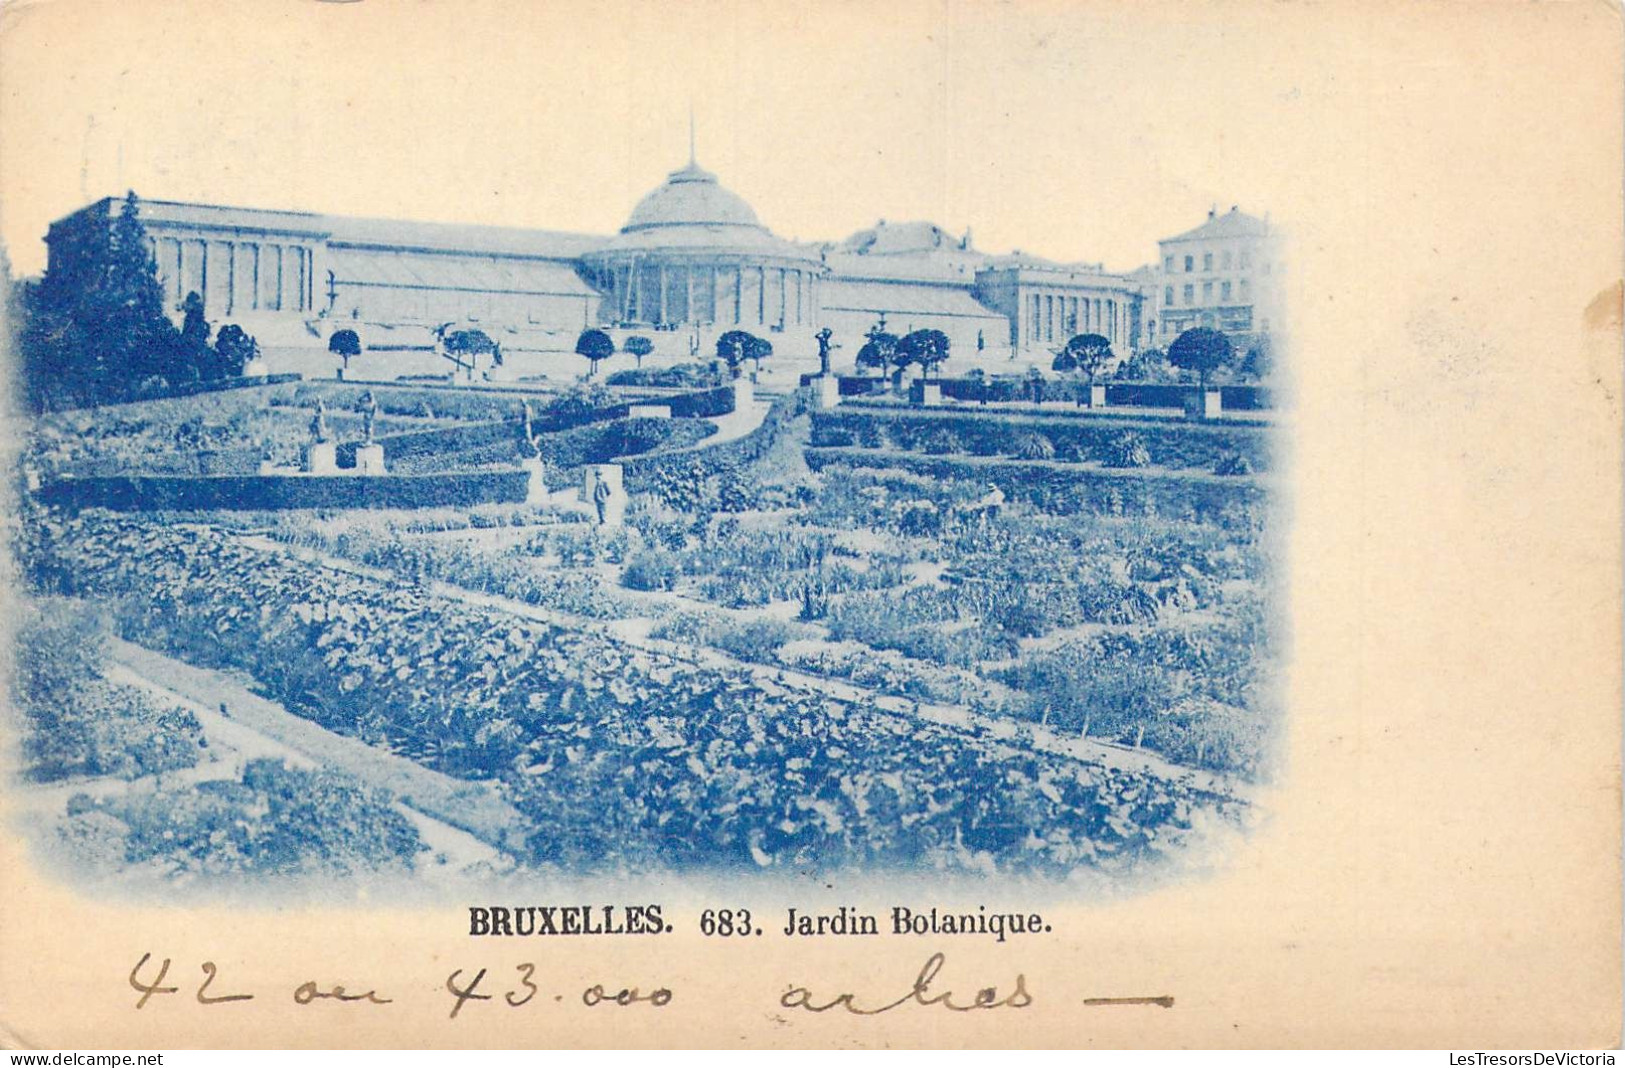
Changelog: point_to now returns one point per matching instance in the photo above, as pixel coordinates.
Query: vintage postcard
(811, 524)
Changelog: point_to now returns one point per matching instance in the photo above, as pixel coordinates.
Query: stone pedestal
(1097, 396)
(931, 394)
(269, 467)
(611, 510)
(1206, 404)
(536, 488)
(320, 459)
(256, 369)
(826, 392)
(369, 459)
(649, 411)
(744, 394)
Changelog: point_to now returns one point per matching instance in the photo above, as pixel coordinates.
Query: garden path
(465, 820)
(1086, 750)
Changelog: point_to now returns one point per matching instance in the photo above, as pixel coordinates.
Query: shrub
(940, 443)
(1128, 450)
(759, 640)
(650, 570)
(1233, 464)
(677, 376)
(1032, 447)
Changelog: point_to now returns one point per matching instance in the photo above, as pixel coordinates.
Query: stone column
(661, 318)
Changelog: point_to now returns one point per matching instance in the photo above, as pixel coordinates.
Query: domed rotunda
(693, 256)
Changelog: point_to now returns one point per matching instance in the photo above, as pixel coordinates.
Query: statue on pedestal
(824, 346)
(529, 447)
(368, 407)
(318, 424)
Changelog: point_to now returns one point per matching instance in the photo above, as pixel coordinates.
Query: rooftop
(691, 196)
(1234, 223)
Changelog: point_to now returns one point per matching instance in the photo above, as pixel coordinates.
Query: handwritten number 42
(156, 986)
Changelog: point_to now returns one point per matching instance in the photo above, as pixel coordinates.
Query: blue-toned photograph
(353, 546)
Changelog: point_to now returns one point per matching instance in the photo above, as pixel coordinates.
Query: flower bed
(274, 820)
(1066, 489)
(1171, 444)
(76, 722)
(621, 756)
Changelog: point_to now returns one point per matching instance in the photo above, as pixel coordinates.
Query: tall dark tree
(1202, 350)
(95, 325)
(595, 345)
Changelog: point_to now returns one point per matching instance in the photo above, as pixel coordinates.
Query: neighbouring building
(1225, 274)
(692, 261)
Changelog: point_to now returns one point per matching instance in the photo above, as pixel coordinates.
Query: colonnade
(234, 276)
(666, 293)
(1055, 317)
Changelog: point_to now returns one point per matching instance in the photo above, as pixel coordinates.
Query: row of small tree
(885, 352)
(1202, 350)
(733, 348)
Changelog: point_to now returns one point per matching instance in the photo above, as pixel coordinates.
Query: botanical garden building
(692, 262)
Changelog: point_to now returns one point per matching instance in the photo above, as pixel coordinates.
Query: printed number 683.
(725, 922)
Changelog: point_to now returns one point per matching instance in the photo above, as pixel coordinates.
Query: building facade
(1225, 274)
(692, 262)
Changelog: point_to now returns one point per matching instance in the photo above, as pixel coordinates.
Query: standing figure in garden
(601, 494)
(318, 423)
(368, 407)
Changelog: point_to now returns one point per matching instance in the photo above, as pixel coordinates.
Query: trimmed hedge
(274, 492)
(1016, 389)
(676, 376)
(134, 395)
(446, 402)
(595, 443)
(439, 442)
(701, 461)
(1170, 443)
(1067, 489)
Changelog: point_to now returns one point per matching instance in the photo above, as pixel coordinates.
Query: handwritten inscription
(149, 980)
(800, 997)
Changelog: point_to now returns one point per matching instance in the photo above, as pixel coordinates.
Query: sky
(1068, 130)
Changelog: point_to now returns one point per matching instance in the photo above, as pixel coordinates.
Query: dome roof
(691, 197)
